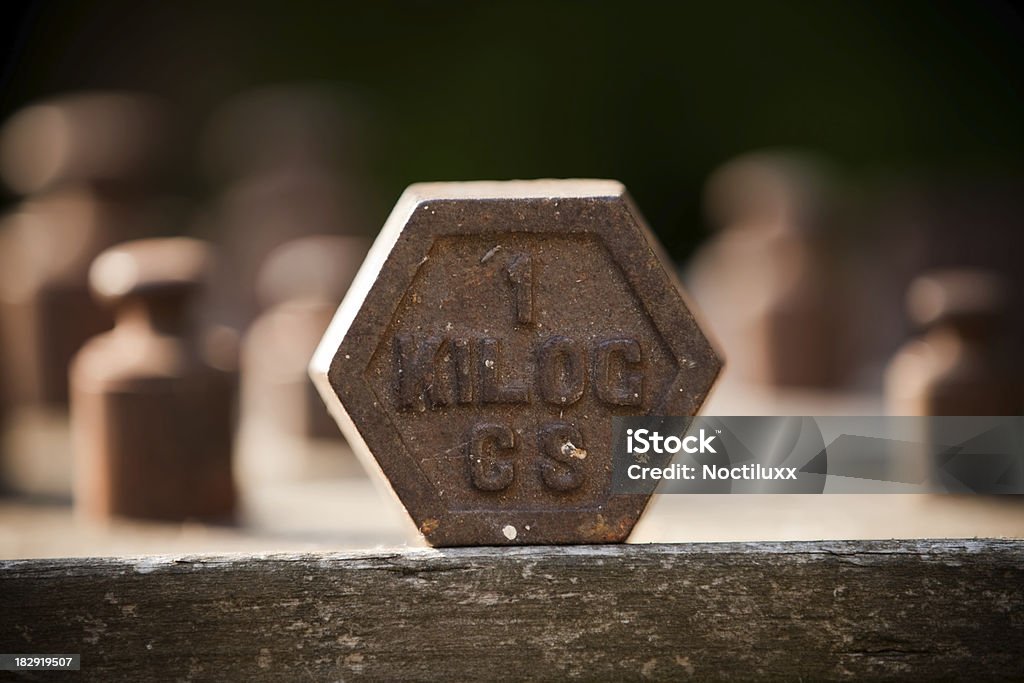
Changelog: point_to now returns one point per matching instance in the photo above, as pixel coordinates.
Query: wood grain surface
(811, 610)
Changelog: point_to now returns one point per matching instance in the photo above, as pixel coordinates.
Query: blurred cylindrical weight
(302, 282)
(89, 163)
(261, 131)
(152, 419)
(85, 159)
(767, 281)
(46, 311)
(962, 362)
(291, 161)
(90, 137)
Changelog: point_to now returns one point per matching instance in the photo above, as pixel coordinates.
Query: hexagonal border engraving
(663, 386)
(426, 212)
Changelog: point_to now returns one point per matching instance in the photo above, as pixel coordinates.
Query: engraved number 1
(520, 275)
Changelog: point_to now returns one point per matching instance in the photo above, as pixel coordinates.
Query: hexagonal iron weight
(492, 333)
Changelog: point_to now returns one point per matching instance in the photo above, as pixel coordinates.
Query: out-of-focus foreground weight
(486, 343)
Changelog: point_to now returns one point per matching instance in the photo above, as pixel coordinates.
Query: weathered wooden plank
(900, 609)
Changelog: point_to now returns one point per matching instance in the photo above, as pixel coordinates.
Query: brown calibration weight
(88, 164)
(963, 362)
(152, 419)
(302, 282)
(488, 340)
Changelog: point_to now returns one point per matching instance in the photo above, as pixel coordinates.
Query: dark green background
(654, 94)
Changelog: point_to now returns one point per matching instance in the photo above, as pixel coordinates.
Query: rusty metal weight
(489, 338)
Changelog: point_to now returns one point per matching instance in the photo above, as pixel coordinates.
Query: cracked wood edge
(835, 609)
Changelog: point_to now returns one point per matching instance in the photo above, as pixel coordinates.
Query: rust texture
(488, 340)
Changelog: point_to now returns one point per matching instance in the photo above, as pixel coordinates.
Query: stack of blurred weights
(292, 227)
(287, 431)
(89, 168)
